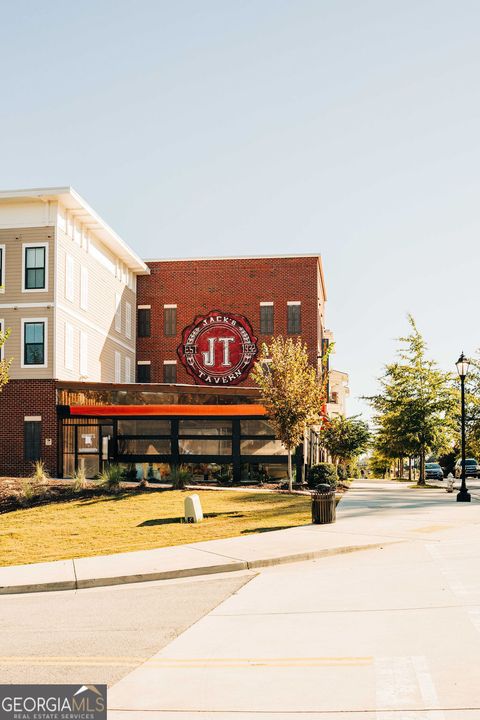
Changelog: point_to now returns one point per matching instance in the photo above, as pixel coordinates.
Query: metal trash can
(324, 507)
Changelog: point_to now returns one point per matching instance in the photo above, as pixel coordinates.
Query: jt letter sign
(218, 348)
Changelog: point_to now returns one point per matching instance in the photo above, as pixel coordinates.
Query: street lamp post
(462, 368)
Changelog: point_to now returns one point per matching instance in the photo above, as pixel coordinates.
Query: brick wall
(18, 399)
(231, 285)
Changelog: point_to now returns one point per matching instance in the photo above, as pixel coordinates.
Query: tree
(291, 391)
(345, 438)
(4, 364)
(414, 412)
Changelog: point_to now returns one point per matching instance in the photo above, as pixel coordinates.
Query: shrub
(39, 476)
(79, 480)
(342, 472)
(179, 477)
(28, 492)
(322, 473)
(110, 478)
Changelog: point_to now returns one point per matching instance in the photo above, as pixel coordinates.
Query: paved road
(99, 635)
(382, 634)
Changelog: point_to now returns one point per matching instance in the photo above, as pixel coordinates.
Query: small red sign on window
(218, 348)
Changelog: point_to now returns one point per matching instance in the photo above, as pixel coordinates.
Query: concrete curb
(233, 566)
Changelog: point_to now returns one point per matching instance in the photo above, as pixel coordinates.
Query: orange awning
(162, 410)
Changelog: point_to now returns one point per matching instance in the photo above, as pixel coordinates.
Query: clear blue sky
(345, 127)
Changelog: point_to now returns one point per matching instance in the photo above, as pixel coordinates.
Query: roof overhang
(250, 410)
(74, 202)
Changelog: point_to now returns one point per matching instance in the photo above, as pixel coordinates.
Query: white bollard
(193, 509)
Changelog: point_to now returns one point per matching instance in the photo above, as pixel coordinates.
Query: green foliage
(4, 364)
(179, 477)
(378, 465)
(322, 473)
(345, 438)
(291, 391)
(353, 471)
(29, 491)
(415, 407)
(111, 478)
(342, 471)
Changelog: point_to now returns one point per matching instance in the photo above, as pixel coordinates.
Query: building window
(84, 288)
(69, 277)
(143, 372)
(35, 267)
(170, 371)
(68, 346)
(128, 320)
(34, 343)
(170, 320)
(128, 370)
(32, 435)
(294, 324)
(118, 312)
(143, 321)
(266, 318)
(334, 398)
(83, 354)
(118, 367)
(2, 266)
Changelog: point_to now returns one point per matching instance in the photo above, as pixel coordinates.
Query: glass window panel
(143, 373)
(204, 447)
(256, 427)
(266, 319)
(90, 464)
(264, 472)
(205, 427)
(32, 439)
(293, 319)
(68, 465)
(141, 446)
(88, 439)
(170, 321)
(143, 322)
(262, 447)
(144, 427)
(170, 373)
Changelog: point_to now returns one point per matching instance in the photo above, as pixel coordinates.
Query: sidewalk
(371, 514)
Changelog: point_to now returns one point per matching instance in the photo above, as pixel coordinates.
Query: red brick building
(277, 295)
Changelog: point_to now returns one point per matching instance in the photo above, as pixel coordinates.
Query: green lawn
(102, 525)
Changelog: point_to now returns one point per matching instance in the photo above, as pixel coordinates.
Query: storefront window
(204, 447)
(263, 472)
(256, 427)
(262, 447)
(143, 446)
(144, 427)
(205, 427)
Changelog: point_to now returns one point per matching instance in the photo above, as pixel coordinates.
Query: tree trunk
(421, 478)
(290, 475)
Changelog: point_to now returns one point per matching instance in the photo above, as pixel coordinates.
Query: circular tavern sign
(218, 348)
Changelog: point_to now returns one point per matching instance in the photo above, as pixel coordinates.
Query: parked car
(433, 471)
(472, 468)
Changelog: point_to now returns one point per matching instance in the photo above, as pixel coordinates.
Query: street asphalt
(99, 635)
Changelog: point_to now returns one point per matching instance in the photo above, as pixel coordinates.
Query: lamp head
(462, 366)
